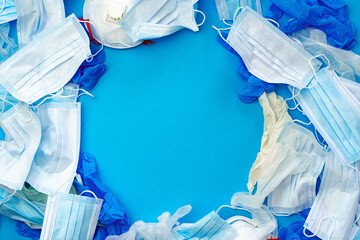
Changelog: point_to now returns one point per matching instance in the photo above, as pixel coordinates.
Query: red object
(146, 42)
(86, 21)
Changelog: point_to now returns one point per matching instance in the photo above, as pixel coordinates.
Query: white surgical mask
(57, 157)
(227, 8)
(332, 215)
(23, 132)
(47, 63)
(36, 16)
(268, 53)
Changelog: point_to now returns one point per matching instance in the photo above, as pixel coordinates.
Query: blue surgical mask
(328, 218)
(268, 53)
(335, 113)
(8, 11)
(183, 16)
(23, 132)
(209, 227)
(47, 63)
(296, 192)
(70, 216)
(16, 206)
(57, 157)
(36, 16)
(227, 8)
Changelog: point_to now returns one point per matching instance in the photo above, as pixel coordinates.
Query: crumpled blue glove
(330, 16)
(112, 214)
(89, 73)
(25, 231)
(254, 86)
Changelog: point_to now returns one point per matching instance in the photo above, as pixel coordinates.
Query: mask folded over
(56, 159)
(227, 8)
(70, 216)
(16, 206)
(276, 116)
(8, 11)
(328, 218)
(344, 62)
(182, 16)
(23, 132)
(47, 63)
(296, 192)
(149, 231)
(36, 16)
(295, 149)
(268, 53)
(335, 113)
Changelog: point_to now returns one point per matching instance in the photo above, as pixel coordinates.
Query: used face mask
(7, 45)
(296, 147)
(104, 16)
(70, 216)
(209, 227)
(268, 53)
(183, 16)
(276, 116)
(7, 11)
(344, 62)
(57, 157)
(36, 16)
(47, 63)
(16, 206)
(296, 192)
(328, 218)
(227, 8)
(23, 132)
(335, 113)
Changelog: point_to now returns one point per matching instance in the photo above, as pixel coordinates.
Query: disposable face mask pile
(41, 119)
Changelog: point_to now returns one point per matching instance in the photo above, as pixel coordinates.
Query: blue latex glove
(295, 230)
(112, 214)
(330, 16)
(89, 73)
(254, 86)
(25, 231)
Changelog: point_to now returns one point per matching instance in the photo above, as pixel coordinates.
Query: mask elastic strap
(85, 93)
(314, 234)
(313, 68)
(204, 17)
(297, 120)
(219, 31)
(241, 218)
(3, 6)
(50, 97)
(91, 192)
(317, 138)
(3, 103)
(236, 12)
(232, 207)
(282, 214)
(273, 21)
(8, 196)
(228, 24)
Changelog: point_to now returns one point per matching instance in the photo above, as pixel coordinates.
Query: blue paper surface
(166, 126)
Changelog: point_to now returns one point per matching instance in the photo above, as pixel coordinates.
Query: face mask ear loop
(85, 93)
(313, 68)
(52, 96)
(235, 208)
(282, 214)
(273, 21)
(314, 234)
(228, 24)
(3, 103)
(88, 191)
(297, 120)
(9, 196)
(219, 31)
(3, 6)
(236, 12)
(204, 17)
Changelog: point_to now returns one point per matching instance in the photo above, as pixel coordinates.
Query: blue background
(166, 126)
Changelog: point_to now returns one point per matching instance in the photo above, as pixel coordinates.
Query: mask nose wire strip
(321, 221)
(204, 17)
(7, 197)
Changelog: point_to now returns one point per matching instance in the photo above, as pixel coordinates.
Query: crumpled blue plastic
(254, 86)
(89, 73)
(295, 230)
(25, 231)
(330, 16)
(112, 214)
